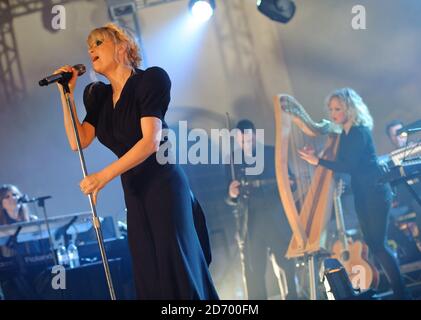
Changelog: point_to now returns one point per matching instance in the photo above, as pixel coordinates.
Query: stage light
(201, 10)
(277, 10)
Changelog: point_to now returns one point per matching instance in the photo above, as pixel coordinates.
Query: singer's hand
(72, 82)
(234, 189)
(93, 183)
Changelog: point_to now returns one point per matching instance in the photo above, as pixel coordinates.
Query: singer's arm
(152, 100)
(86, 130)
(143, 149)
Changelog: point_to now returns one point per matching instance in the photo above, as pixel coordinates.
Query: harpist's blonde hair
(117, 35)
(356, 109)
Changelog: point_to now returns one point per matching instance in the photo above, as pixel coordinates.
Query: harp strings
(301, 169)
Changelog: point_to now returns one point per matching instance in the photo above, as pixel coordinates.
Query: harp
(309, 222)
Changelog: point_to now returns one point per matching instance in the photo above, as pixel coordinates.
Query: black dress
(167, 232)
(357, 156)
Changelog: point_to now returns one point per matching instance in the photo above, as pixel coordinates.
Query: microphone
(62, 76)
(23, 199)
(26, 199)
(410, 128)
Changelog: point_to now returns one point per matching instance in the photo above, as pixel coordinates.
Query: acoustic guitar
(353, 255)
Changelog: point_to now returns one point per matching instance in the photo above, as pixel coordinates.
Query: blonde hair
(356, 109)
(117, 35)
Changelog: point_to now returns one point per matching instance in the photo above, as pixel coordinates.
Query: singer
(168, 239)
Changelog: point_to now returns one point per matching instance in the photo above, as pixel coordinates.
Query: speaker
(87, 282)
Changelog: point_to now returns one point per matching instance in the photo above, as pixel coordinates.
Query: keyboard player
(12, 211)
(404, 149)
(398, 141)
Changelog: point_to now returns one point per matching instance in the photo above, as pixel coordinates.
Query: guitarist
(356, 156)
(267, 230)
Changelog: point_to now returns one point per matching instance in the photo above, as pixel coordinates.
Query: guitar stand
(312, 260)
(311, 263)
(338, 285)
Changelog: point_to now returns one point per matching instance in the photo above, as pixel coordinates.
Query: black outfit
(356, 156)
(7, 218)
(16, 283)
(167, 233)
(267, 226)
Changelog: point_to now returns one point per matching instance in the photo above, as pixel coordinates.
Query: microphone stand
(61, 232)
(11, 242)
(95, 220)
(41, 203)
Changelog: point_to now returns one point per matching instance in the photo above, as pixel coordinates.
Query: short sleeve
(153, 93)
(93, 99)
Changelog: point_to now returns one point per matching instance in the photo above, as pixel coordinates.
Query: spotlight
(278, 10)
(201, 10)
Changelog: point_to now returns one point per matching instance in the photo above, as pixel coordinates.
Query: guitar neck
(340, 224)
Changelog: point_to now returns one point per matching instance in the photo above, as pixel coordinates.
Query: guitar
(353, 255)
